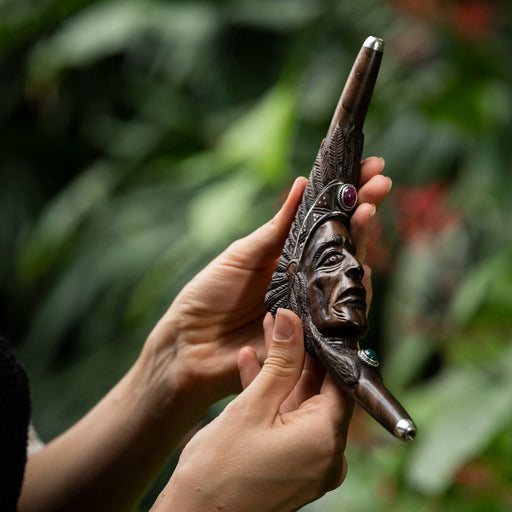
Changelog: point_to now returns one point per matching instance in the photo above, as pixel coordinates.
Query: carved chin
(344, 322)
(350, 319)
(350, 312)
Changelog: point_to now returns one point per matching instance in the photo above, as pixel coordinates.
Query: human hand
(261, 453)
(196, 343)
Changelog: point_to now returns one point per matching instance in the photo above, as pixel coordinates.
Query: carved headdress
(330, 193)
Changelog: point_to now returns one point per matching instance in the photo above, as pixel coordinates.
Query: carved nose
(355, 270)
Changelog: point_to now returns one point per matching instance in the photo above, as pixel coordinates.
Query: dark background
(138, 138)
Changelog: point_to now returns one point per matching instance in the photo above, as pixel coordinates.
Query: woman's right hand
(259, 455)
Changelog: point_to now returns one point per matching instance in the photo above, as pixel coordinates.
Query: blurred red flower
(378, 254)
(423, 211)
(429, 9)
(474, 475)
(474, 18)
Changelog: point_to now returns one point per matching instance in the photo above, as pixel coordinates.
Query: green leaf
(479, 285)
(261, 138)
(470, 407)
(62, 216)
(110, 27)
(217, 213)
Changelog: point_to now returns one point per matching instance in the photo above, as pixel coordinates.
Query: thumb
(283, 366)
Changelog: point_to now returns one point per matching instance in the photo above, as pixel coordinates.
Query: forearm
(107, 460)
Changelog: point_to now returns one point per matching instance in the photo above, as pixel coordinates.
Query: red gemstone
(349, 197)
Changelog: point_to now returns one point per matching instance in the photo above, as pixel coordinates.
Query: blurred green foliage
(140, 137)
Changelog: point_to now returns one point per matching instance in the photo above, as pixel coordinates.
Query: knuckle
(279, 366)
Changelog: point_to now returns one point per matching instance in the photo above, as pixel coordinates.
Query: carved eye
(331, 259)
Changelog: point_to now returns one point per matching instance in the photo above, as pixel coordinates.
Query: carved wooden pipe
(318, 276)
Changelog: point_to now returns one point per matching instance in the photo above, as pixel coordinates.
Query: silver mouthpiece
(405, 430)
(374, 43)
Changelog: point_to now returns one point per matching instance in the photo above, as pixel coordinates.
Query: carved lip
(354, 296)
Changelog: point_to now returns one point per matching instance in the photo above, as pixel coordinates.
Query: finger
(370, 167)
(264, 246)
(310, 381)
(268, 327)
(290, 403)
(309, 384)
(374, 190)
(284, 363)
(367, 283)
(361, 228)
(342, 404)
(248, 365)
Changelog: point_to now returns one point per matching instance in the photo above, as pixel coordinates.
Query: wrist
(192, 494)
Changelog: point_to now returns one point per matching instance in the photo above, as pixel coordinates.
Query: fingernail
(390, 182)
(283, 326)
(374, 211)
(383, 161)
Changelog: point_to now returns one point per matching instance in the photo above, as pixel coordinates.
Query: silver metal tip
(374, 43)
(405, 429)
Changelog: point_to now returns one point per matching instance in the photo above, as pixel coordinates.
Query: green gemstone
(370, 354)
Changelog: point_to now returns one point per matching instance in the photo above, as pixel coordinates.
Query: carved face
(334, 280)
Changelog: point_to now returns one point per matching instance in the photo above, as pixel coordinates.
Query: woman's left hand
(196, 342)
